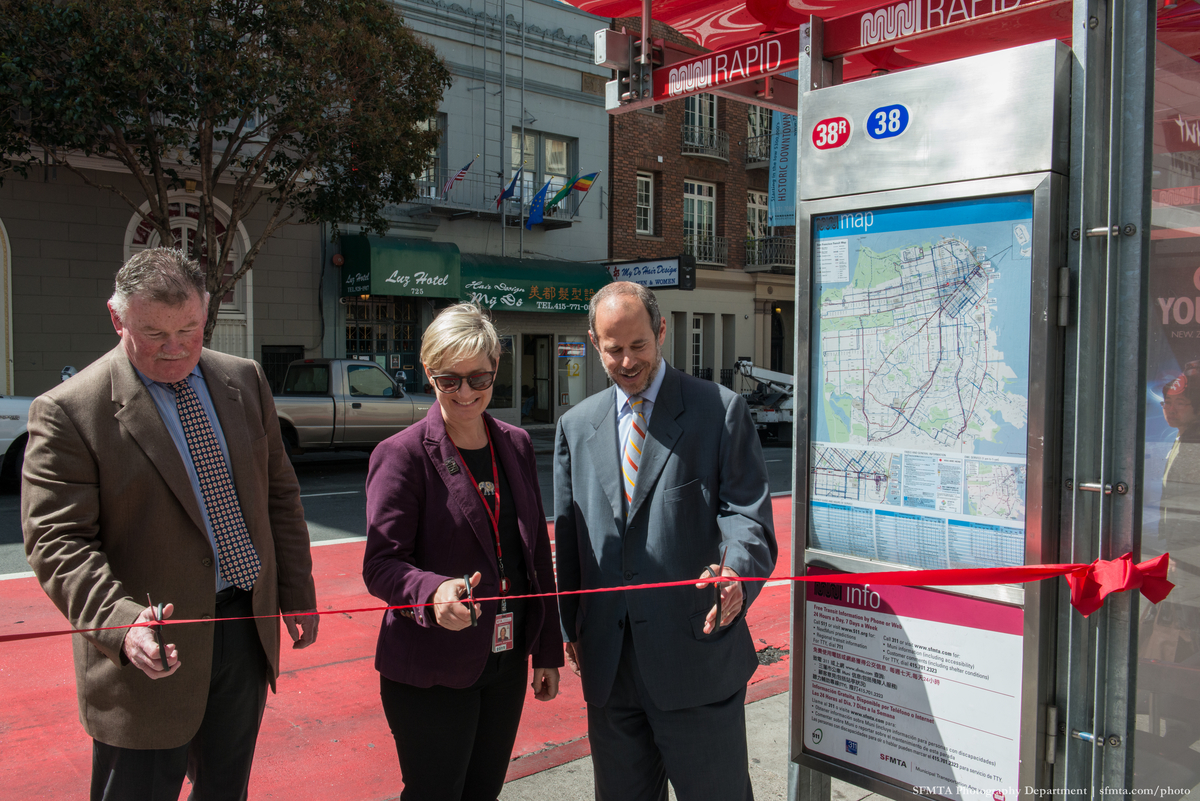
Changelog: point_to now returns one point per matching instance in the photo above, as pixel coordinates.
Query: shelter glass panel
(1167, 722)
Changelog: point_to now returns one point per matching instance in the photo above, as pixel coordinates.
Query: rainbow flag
(584, 182)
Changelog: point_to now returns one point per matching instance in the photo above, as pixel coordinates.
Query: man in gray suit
(659, 478)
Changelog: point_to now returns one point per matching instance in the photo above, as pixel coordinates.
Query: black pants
(218, 758)
(637, 747)
(454, 745)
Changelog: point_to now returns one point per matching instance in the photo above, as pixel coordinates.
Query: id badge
(502, 635)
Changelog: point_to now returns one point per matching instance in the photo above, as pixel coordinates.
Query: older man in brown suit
(159, 472)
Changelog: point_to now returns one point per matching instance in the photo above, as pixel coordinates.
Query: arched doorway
(234, 333)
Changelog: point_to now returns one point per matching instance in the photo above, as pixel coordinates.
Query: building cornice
(450, 16)
(728, 280)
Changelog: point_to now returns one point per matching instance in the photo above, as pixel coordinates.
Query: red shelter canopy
(891, 35)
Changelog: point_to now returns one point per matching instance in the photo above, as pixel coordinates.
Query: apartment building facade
(689, 178)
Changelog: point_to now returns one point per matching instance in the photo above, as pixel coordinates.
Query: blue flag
(511, 188)
(537, 208)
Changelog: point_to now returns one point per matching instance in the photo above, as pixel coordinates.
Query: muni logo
(1189, 130)
(885, 24)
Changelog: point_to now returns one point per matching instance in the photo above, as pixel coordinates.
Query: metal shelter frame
(1089, 723)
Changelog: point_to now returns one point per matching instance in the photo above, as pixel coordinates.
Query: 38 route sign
(831, 133)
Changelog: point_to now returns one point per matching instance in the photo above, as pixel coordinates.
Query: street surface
(331, 486)
(324, 731)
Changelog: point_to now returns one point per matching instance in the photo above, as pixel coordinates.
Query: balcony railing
(707, 249)
(758, 149)
(776, 254)
(700, 140)
(475, 196)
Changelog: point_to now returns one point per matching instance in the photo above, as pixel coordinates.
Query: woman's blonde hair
(458, 333)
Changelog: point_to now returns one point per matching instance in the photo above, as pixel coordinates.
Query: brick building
(690, 177)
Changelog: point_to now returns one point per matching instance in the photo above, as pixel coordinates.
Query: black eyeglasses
(450, 383)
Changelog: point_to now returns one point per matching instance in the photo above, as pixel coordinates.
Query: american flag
(458, 176)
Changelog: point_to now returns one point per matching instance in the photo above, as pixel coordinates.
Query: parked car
(343, 404)
(14, 422)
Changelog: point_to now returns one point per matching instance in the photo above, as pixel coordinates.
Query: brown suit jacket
(109, 515)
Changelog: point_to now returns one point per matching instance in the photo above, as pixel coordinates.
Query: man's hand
(572, 658)
(449, 612)
(545, 683)
(141, 646)
(731, 598)
(307, 620)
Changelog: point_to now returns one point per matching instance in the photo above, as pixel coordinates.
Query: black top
(479, 462)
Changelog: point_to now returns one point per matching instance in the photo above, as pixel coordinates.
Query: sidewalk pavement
(542, 435)
(766, 736)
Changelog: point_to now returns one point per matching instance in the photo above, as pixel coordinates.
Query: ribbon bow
(1091, 584)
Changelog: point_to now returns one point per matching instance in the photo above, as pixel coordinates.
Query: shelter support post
(805, 784)
(1103, 420)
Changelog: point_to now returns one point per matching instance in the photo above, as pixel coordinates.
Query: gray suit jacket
(702, 490)
(109, 514)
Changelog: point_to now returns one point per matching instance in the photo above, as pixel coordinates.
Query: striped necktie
(239, 560)
(633, 450)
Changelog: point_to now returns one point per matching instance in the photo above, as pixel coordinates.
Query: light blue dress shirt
(625, 411)
(164, 399)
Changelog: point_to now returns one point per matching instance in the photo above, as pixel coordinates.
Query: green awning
(390, 266)
(530, 285)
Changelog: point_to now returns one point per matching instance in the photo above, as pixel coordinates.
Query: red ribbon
(1090, 585)
(1095, 582)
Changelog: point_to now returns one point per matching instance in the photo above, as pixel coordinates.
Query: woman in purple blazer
(454, 500)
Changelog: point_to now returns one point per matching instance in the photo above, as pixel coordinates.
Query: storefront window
(386, 331)
(502, 389)
(1167, 743)
(572, 370)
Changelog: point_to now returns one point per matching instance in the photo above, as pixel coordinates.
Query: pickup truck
(14, 416)
(343, 404)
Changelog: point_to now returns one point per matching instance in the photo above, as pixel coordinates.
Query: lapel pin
(451, 467)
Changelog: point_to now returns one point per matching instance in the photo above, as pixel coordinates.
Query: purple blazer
(425, 526)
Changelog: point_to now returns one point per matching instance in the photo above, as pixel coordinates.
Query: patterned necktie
(239, 560)
(633, 451)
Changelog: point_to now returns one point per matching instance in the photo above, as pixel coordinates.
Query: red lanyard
(493, 517)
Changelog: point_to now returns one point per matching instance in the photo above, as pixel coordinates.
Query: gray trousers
(637, 747)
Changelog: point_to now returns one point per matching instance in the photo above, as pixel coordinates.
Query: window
(381, 327)
(645, 203)
(758, 121)
(275, 361)
(756, 215)
(545, 158)
(758, 134)
(700, 111)
(308, 379)
(184, 213)
(430, 181)
(699, 211)
(697, 345)
(367, 380)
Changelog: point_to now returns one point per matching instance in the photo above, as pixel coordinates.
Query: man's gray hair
(162, 275)
(628, 289)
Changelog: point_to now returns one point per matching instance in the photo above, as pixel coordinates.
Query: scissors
(470, 600)
(157, 609)
(717, 587)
